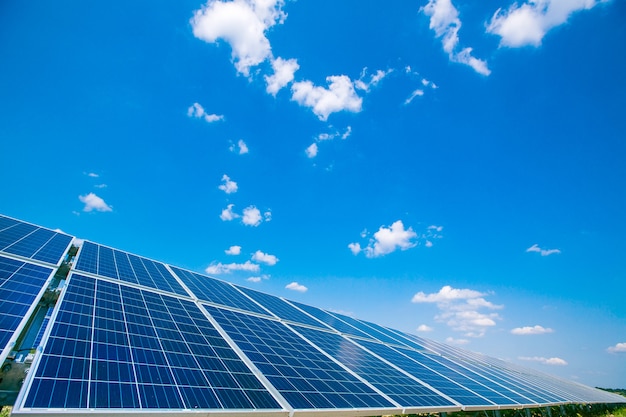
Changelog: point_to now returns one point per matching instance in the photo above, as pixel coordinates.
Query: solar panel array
(130, 334)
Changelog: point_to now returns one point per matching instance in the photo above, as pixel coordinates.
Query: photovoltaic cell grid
(114, 346)
(112, 263)
(20, 283)
(33, 242)
(304, 376)
(403, 389)
(216, 291)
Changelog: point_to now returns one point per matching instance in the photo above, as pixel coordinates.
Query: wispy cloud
(198, 112)
(424, 328)
(313, 149)
(220, 268)
(417, 93)
(545, 361)
(240, 147)
(444, 20)
(339, 96)
(265, 258)
(528, 330)
(618, 348)
(228, 186)
(93, 202)
(527, 23)
(365, 82)
(92, 174)
(294, 286)
(462, 309)
(242, 24)
(543, 252)
(459, 342)
(233, 250)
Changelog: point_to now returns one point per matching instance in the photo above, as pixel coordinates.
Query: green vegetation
(5, 411)
(578, 410)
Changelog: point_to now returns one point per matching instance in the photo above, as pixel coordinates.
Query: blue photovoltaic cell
(281, 308)
(304, 376)
(372, 333)
(434, 379)
(20, 283)
(112, 263)
(399, 387)
(217, 292)
(331, 320)
(496, 373)
(29, 241)
(113, 346)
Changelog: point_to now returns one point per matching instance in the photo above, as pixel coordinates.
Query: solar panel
(217, 292)
(113, 346)
(303, 375)
(33, 242)
(112, 263)
(406, 391)
(20, 284)
(129, 334)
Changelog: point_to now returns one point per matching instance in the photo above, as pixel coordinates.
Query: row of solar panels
(129, 333)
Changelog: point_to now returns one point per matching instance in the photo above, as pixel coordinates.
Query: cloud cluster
(340, 95)
(545, 361)
(252, 265)
(444, 20)
(618, 348)
(462, 309)
(528, 330)
(294, 286)
(251, 216)
(387, 240)
(198, 112)
(228, 186)
(528, 23)
(543, 252)
(240, 147)
(93, 202)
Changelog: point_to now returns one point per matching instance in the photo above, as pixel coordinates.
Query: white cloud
(424, 328)
(444, 20)
(545, 361)
(374, 79)
(417, 93)
(93, 202)
(267, 216)
(264, 258)
(233, 250)
(340, 95)
(283, 74)
(531, 330)
(527, 24)
(254, 279)
(543, 252)
(229, 186)
(454, 341)
(241, 148)
(100, 186)
(618, 348)
(251, 216)
(347, 133)
(93, 175)
(311, 151)
(228, 214)
(220, 268)
(242, 24)
(461, 309)
(197, 111)
(388, 239)
(355, 248)
(294, 286)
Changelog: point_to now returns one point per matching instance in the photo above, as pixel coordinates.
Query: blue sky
(455, 170)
